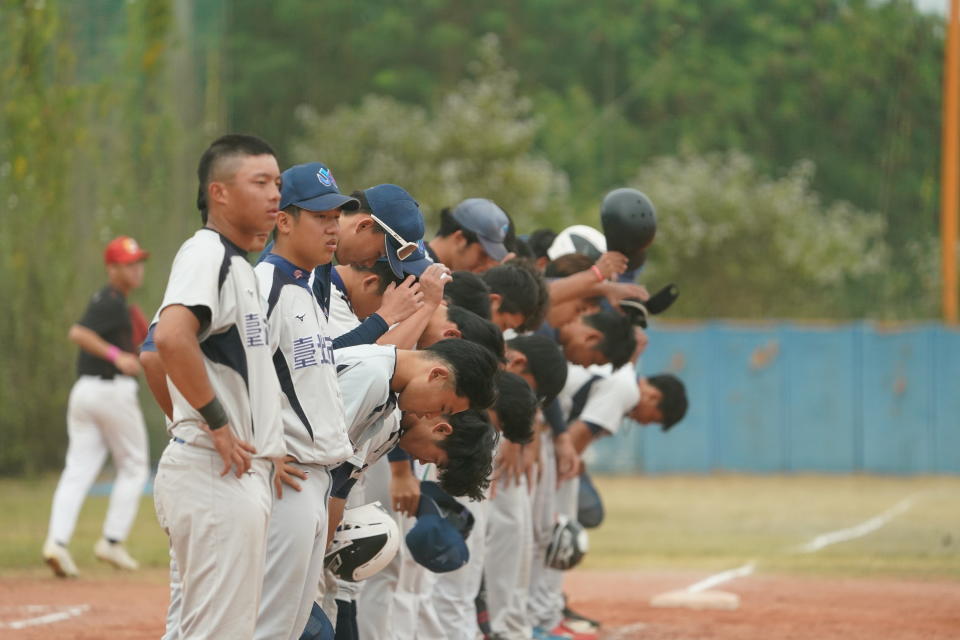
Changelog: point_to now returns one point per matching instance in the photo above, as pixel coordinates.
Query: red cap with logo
(124, 250)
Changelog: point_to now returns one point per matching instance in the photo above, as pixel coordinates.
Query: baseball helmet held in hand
(568, 544)
(629, 223)
(578, 238)
(364, 543)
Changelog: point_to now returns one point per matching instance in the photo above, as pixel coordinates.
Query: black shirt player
(103, 415)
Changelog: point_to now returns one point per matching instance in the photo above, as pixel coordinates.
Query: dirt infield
(781, 607)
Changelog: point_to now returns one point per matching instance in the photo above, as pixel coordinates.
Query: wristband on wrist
(214, 414)
(597, 272)
(113, 352)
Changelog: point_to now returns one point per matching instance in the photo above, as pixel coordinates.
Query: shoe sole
(58, 569)
(116, 565)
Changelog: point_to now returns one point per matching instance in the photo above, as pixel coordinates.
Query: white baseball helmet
(578, 239)
(364, 543)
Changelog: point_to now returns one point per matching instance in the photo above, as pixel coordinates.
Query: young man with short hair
(312, 408)
(214, 344)
(518, 296)
(103, 415)
(471, 236)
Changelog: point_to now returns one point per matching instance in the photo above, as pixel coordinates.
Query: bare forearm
(579, 434)
(180, 355)
(157, 381)
(90, 341)
(406, 334)
(579, 285)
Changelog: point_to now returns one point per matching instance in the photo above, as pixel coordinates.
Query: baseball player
(212, 490)
(314, 429)
(518, 296)
(103, 416)
(471, 236)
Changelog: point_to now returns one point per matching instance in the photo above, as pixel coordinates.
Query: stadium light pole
(950, 172)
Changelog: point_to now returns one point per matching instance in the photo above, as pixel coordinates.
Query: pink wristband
(112, 353)
(597, 272)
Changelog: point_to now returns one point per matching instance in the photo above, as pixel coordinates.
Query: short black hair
(545, 362)
(468, 290)
(540, 240)
(364, 207)
(567, 265)
(673, 405)
(619, 340)
(469, 448)
(521, 289)
(382, 270)
(232, 144)
(449, 226)
(516, 406)
(473, 368)
(475, 329)
(522, 249)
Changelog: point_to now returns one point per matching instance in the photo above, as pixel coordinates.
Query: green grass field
(692, 522)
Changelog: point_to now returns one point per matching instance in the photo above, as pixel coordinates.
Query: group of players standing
(454, 382)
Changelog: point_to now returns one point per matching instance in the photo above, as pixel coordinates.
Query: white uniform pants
(542, 601)
(103, 416)
(455, 593)
(218, 533)
(296, 541)
(507, 560)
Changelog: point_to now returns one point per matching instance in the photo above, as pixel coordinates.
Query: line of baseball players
(477, 365)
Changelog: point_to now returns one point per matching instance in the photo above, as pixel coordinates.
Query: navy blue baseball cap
(439, 539)
(399, 214)
(488, 221)
(312, 187)
(414, 264)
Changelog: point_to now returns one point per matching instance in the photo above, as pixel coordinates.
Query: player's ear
(442, 428)
(441, 374)
(365, 222)
(452, 332)
(370, 282)
(495, 300)
(217, 192)
(284, 222)
(516, 361)
(593, 337)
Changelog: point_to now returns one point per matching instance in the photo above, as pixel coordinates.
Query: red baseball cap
(124, 250)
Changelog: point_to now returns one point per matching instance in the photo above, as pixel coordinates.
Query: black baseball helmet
(629, 223)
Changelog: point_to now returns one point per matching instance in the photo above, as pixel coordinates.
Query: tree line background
(791, 148)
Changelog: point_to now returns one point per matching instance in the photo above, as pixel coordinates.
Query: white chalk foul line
(819, 542)
(720, 578)
(620, 633)
(860, 530)
(65, 613)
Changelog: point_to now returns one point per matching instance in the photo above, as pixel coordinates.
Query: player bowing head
(540, 362)
(600, 338)
(461, 445)
(388, 223)
(456, 322)
(663, 401)
(239, 190)
(518, 296)
(445, 378)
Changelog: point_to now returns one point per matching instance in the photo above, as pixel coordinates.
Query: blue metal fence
(790, 397)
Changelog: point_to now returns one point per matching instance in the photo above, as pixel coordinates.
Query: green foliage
(475, 142)
(744, 245)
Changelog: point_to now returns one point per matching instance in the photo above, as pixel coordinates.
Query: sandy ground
(117, 607)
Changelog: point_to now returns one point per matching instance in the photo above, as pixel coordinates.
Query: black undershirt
(108, 316)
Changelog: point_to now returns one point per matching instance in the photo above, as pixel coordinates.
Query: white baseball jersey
(342, 317)
(365, 372)
(212, 273)
(313, 423)
(609, 399)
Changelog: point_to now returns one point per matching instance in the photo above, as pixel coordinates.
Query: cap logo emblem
(505, 228)
(326, 178)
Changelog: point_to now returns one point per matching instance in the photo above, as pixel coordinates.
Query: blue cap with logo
(488, 221)
(399, 214)
(438, 540)
(312, 187)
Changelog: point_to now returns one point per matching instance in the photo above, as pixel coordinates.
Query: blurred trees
(759, 247)
(476, 141)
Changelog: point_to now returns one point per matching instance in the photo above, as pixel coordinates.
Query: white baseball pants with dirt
(103, 416)
(546, 584)
(455, 593)
(507, 561)
(296, 542)
(218, 535)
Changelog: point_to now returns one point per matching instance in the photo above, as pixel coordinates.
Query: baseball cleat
(573, 634)
(539, 633)
(59, 560)
(569, 614)
(115, 554)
